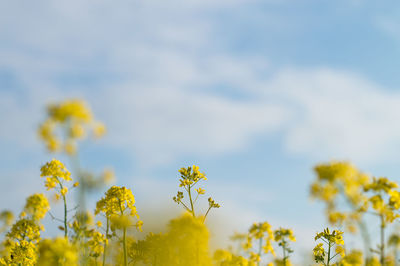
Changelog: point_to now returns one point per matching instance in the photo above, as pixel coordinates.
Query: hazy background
(254, 92)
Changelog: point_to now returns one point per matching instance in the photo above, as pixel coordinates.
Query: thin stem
(204, 219)
(105, 244)
(365, 236)
(123, 236)
(361, 225)
(382, 257)
(186, 207)
(54, 218)
(197, 196)
(124, 246)
(259, 250)
(65, 216)
(65, 208)
(284, 253)
(329, 254)
(191, 201)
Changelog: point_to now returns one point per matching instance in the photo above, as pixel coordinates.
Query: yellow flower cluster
(20, 253)
(334, 238)
(116, 201)
(283, 233)
(212, 203)
(379, 188)
(354, 258)
(190, 176)
(73, 116)
(184, 243)
(257, 232)
(226, 258)
(55, 172)
(21, 243)
(337, 182)
(58, 251)
(96, 243)
(25, 229)
(36, 206)
(7, 218)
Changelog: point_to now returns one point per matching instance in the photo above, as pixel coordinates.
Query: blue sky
(254, 92)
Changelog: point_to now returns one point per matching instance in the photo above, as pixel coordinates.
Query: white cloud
(339, 115)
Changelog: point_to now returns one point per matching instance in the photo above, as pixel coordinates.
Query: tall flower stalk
(189, 178)
(333, 242)
(118, 207)
(57, 175)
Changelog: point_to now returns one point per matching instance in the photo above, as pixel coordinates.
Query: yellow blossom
(200, 191)
(64, 191)
(58, 251)
(37, 206)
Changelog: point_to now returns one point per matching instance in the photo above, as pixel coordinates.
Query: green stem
(382, 259)
(191, 201)
(365, 236)
(65, 217)
(204, 219)
(329, 254)
(259, 250)
(105, 245)
(124, 246)
(124, 235)
(65, 208)
(284, 254)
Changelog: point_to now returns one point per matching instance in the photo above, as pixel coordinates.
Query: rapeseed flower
(331, 239)
(58, 251)
(37, 206)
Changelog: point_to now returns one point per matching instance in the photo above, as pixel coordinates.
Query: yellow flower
(394, 199)
(260, 231)
(7, 217)
(191, 175)
(117, 200)
(120, 221)
(99, 129)
(381, 184)
(255, 257)
(64, 191)
(55, 169)
(76, 131)
(331, 239)
(25, 229)
(354, 258)
(200, 191)
(22, 253)
(340, 250)
(74, 118)
(56, 173)
(319, 252)
(283, 233)
(212, 203)
(58, 251)
(96, 243)
(37, 206)
(108, 176)
(70, 148)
